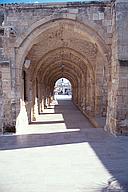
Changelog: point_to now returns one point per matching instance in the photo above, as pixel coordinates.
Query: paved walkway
(62, 152)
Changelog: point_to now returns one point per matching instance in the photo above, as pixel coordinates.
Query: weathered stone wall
(89, 34)
(5, 85)
(1, 103)
(21, 18)
(117, 120)
(122, 94)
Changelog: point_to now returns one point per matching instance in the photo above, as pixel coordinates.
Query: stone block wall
(117, 120)
(20, 19)
(5, 81)
(106, 23)
(122, 93)
(1, 103)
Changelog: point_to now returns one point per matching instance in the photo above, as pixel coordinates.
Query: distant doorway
(63, 89)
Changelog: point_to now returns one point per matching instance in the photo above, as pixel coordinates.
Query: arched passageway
(68, 49)
(80, 40)
(64, 148)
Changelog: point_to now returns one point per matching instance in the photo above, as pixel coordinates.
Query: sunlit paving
(63, 95)
(62, 152)
(49, 121)
(71, 168)
(50, 117)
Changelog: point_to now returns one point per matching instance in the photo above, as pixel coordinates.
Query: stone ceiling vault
(65, 43)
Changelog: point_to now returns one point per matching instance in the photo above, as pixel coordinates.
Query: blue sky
(39, 1)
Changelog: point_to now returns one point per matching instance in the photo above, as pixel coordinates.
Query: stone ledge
(91, 119)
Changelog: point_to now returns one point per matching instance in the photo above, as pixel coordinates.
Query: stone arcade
(89, 39)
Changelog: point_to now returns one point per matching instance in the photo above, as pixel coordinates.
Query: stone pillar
(39, 97)
(1, 104)
(42, 97)
(79, 92)
(7, 65)
(74, 94)
(83, 94)
(6, 97)
(48, 95)
(122, 93)
(34, 110)
(89, 95)
(117, 115)
(16, 82)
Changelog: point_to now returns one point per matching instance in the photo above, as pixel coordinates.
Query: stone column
(89, 95)
(8, 69)
(42, 96)
(6, 97)
(1, 104)
(34, 110)
(83, 94)
(117, 115)
(16, 76)
(122, 93)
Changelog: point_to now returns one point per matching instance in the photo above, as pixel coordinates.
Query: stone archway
(89, 31)
(67, 42)
(95, 57)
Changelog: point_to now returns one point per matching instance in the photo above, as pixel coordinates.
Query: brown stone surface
(83, 42)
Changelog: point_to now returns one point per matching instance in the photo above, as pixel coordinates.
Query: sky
(38, 1)
(42, 1)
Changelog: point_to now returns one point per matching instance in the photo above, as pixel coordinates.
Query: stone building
(63, 86)
(89, 39)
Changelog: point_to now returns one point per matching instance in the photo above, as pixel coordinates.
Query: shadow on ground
(112, 151)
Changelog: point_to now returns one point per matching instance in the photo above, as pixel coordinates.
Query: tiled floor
(62, 153)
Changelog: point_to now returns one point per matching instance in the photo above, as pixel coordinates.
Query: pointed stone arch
(90, 41)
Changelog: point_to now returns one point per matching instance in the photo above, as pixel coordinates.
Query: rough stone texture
(118, 98)
(88, 39)
(1, 103)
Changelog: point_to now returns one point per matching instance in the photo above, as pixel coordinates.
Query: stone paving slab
(63, 157)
